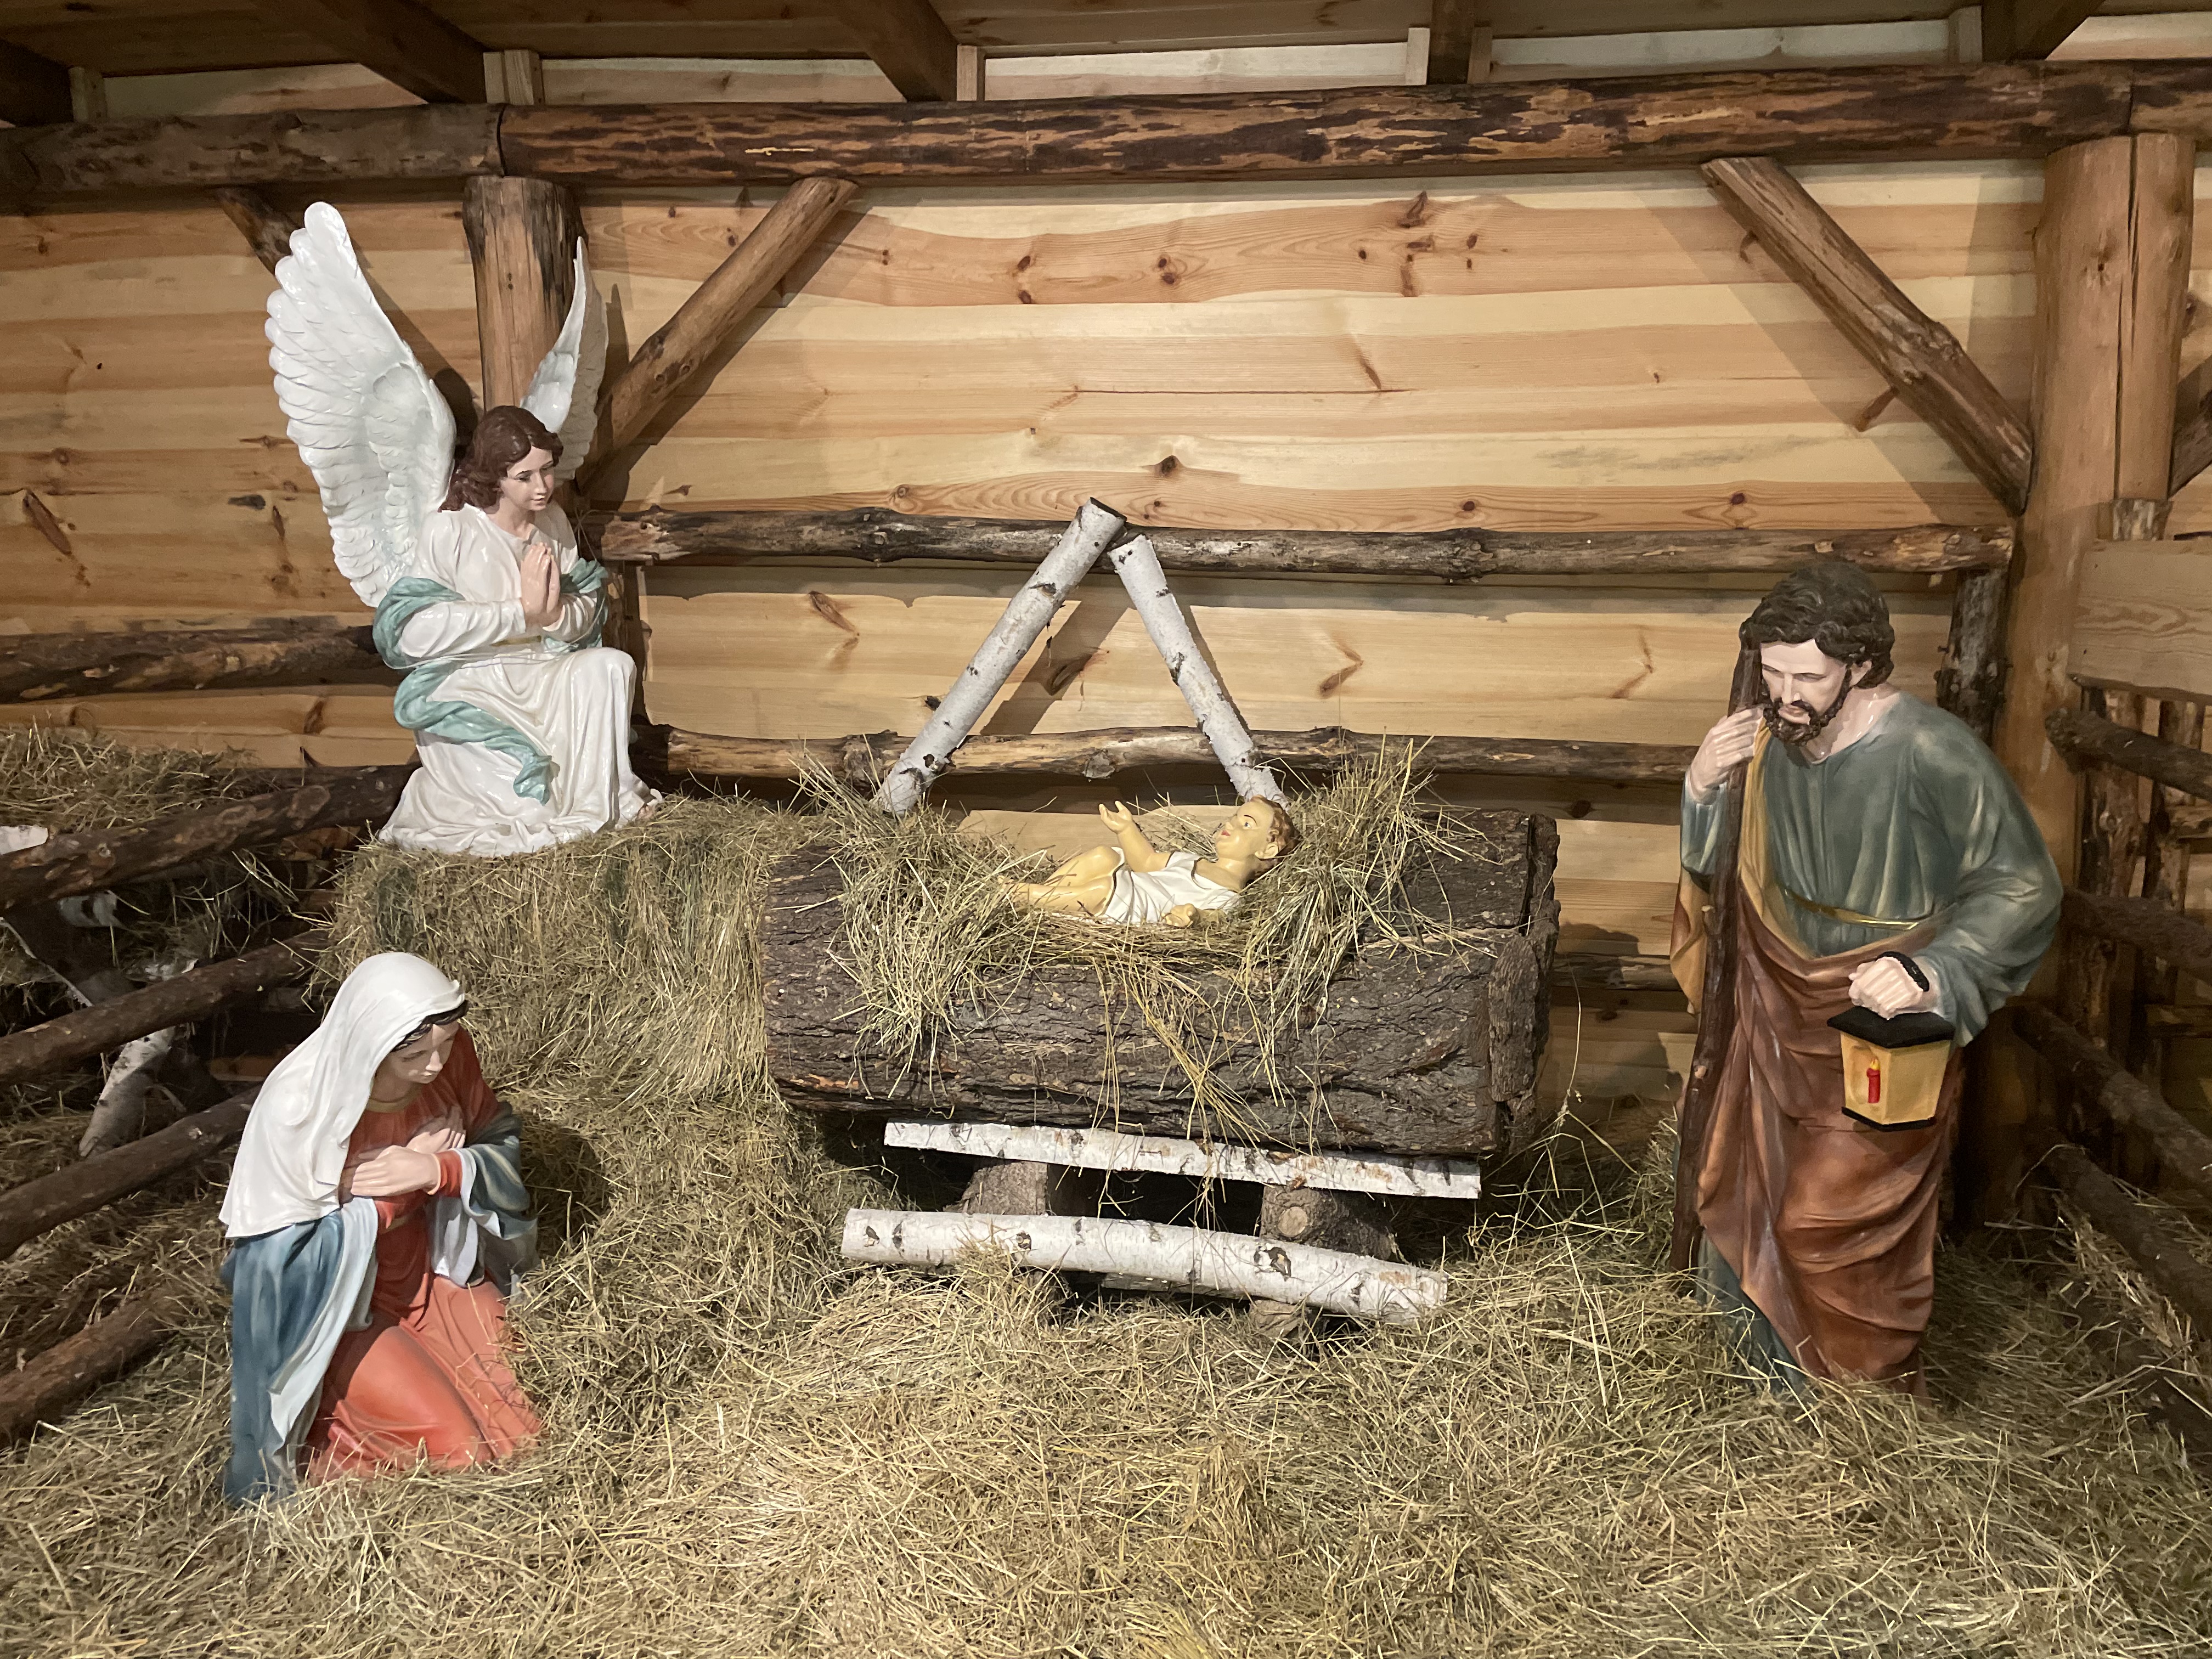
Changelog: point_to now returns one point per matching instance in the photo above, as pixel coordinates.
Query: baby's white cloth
(1142, 896)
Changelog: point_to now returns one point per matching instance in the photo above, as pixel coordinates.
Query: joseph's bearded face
(1806, 688)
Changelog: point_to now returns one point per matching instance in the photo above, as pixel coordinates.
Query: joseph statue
(1885, 860)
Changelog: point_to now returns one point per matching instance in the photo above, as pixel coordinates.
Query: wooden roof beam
(34, 91)
(1454, 27)
(1922, 360)
(404, 42)
(1959, 111)
(909, 44)
(2013, 30)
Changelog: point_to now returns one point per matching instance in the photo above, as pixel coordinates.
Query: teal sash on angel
(414, 705)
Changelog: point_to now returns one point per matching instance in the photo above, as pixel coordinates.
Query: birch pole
(927, 756)
(1139, 566)
(1174, 1258)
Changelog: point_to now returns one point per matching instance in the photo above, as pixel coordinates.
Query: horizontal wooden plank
(2143, 619)
(777, 655)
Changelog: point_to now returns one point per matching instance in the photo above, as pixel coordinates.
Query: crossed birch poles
(1027, 615)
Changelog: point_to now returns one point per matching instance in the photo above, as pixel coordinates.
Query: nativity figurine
(377, 1219)
(1891, 892)
(520, 716)
(1133, 884)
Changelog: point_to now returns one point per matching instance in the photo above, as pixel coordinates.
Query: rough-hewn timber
(2161, 1252)
(2088, 740)
(282, 651)
(40, 1205)
(93, 858)
(863, 759)
(48, 1385)
(1961, 111)
(1430, 1052)
(188, 997)
(2185, 1152)
(879, 535)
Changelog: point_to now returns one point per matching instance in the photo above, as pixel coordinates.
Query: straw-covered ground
(752, 1449)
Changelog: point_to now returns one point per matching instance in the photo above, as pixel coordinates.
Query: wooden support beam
(284, 651)
(522, 235)
(2152, 928)
(179, 1001)
(1103, 754)
(2158, 1251)
(514, 77)
(48, 1385)
(267, 230)
(2020, 30)
(40, 1207)
(34, 91)
(2154, 304)
(93, 858)
(2085, 739)
(1958, 112)
(1970, 683)
(1922, 360)
(714, 311)
(406, 42)
(1456, 27)
(2192, 428)
(87, 94)
(2184, 1153)
(878, 536)
(909, 42)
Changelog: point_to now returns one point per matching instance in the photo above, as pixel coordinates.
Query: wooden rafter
(33, 90)
(1959, 111)
(405, 43)
(2020, 29)
(1453, 26)
(909, 42)
(712, 314)
(1922, 360)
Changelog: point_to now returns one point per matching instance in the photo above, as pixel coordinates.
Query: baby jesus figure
(1135, 884)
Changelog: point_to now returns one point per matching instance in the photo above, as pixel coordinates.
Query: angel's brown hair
(503, 437)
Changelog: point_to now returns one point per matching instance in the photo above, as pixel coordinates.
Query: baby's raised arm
(1136, 849)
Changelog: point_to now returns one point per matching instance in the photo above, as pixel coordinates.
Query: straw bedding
(752, 1449)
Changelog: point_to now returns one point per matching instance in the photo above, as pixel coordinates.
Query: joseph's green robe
(1915, 820)
(1912, 836)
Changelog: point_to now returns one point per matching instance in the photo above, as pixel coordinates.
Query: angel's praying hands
(541, 585)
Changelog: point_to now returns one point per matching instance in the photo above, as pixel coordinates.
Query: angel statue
(520, 716)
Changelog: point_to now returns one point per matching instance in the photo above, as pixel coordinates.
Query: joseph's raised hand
(1726, 747)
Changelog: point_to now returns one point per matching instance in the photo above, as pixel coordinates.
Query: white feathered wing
(564, 392)
(374, 431)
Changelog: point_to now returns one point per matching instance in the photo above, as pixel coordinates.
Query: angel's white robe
(569, 699)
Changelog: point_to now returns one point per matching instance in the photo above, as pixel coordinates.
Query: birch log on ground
(1431, 1051)
(1211, 705)
(1095, 525)
(1176, 1258)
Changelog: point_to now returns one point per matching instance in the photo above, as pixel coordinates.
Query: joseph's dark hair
(1834, 605)
(503, 437)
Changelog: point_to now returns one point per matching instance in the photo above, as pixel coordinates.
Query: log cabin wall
(1603, 353)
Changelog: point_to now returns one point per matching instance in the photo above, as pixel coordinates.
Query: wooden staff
(1717, 1005)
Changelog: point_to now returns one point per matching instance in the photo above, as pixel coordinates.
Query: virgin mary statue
(378, 1218)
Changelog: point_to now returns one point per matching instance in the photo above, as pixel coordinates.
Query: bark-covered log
(1430, 1052)
(1922, 360)
(2086, 739)
(2185, 1152)
(1970, 683)
(1956, 111)
(879, 535)
(267, 228)
(2158, 1252)
(1351, 1223)
(93, 858)
(522, 235)
(190, 996)
(1665, 120)
(55, 1380)
(40, 1205)
(862, 759)
(290, 147)
(284, 651)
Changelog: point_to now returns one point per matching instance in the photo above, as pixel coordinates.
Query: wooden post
(522, 236)
(2164, 883)
(1716, 1001)
(663, 363)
